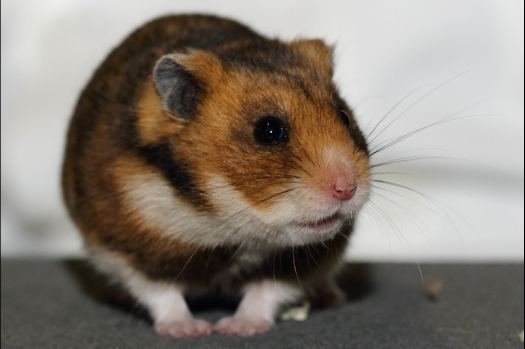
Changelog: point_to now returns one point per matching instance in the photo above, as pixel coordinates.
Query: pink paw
(242, 327)
(187, 327)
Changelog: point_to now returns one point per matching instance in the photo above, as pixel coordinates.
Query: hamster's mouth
(325, 224)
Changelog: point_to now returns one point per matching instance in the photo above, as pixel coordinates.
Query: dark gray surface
(61, 304)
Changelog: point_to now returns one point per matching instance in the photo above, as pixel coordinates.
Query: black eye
(344, 117)
(270, 130)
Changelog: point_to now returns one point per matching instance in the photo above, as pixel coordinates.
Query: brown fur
(120, 129)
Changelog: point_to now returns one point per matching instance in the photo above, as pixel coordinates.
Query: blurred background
(452, 192)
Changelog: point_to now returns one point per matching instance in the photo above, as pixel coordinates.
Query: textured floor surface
(63, 304)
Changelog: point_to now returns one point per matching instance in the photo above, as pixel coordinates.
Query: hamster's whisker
(411, 214)
(419, 150)
(343, 235)
(252, 205)
(325, 246)
(295, 269)
(258, 178)
(389, 220)
(316, 155)
(391, 110)
(411, 158)
(419, 158)
(305, 152)
(370, 208)
(296, 167)
(311, 255)
(425, 176)
(418, 100)
(291, 161)
(308, 263)
(399, 236)
(238, 249)
(337, 254)
(392, 141)
(189, 260)
(229, 187)
(293, 154)
(438, 204)
(274, 277)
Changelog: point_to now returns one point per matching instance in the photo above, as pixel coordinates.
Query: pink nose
(343, 187)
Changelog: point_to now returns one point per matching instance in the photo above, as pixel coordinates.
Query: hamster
(203, 157)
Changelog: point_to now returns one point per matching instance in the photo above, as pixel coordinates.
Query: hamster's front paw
(242, 326)
(186, 327)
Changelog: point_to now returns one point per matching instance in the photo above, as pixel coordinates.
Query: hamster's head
(257, 136)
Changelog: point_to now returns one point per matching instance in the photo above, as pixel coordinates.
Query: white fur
(165, 301)
(259, 307)
(263, 299)
(150, 197)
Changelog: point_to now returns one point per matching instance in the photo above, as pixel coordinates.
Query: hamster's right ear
(181, 80)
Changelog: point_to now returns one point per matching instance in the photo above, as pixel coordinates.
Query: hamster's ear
(315, 52)
(181, 80)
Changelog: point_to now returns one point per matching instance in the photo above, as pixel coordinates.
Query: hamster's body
(204, 156)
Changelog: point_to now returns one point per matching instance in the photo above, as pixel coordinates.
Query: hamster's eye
(344, 117)
(270, 130)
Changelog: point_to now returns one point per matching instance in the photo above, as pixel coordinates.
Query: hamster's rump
(202, 155)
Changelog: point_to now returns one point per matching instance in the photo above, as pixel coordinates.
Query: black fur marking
(177, 173)
(179, 89)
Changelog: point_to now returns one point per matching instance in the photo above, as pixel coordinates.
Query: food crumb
(521, 336)
(297, 313)
(431, 288)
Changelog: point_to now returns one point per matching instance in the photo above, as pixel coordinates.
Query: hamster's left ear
(181, 80)
(317, 53)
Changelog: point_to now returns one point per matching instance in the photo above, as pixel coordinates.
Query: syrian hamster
(204, 157)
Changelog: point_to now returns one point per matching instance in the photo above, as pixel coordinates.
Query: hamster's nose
(343, 186)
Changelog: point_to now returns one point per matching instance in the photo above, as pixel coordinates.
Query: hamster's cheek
(302, 215)
(151, 202)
